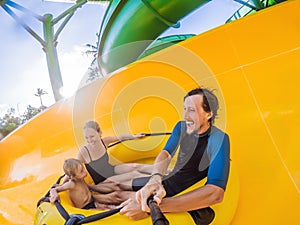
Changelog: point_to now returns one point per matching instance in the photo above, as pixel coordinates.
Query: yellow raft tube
(253, 65)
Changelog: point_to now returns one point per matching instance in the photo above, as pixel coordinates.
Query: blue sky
(23, 66)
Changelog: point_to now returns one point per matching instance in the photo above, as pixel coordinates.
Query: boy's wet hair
(70, 166)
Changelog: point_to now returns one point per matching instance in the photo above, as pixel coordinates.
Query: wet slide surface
(253, 64)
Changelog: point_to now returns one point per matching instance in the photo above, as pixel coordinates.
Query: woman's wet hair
(210, 101)
(92, 124)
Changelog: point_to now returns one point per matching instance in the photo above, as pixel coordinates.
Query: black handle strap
(99, 216)
(80, 219)
(158, 134)
(146, 134)
(46, 196)
(157, 216)
(62, 210)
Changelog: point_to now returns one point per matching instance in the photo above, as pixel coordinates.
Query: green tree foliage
(31, 112)
(10, 121)
(94, 72)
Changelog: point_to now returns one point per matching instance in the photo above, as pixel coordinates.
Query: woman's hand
(138, 136)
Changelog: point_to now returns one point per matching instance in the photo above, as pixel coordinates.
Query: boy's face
(81, 172)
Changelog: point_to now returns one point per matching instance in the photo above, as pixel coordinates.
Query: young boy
(78, 189)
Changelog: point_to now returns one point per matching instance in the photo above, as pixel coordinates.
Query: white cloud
(73, 65)
(3, 109)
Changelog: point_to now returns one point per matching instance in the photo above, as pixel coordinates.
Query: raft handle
(146, 135)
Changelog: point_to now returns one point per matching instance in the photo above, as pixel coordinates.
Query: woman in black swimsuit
(108, 178)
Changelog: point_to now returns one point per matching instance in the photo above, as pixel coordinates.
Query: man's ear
(210, 115)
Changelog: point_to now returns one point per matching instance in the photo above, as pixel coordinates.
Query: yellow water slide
(253, 65)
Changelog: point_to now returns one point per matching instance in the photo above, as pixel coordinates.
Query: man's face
(195, 116)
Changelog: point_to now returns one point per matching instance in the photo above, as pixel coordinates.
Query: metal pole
(49, 44)
(52, 59)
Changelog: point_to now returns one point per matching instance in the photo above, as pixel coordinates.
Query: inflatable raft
(64, 213)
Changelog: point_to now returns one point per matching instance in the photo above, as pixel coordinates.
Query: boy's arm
(64, 187)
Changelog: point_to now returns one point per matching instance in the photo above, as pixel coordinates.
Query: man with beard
(203, 152)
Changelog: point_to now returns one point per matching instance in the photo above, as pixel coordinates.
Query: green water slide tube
(130, 26)
(164, 42)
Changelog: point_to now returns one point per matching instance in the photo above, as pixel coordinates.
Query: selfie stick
(157, 216)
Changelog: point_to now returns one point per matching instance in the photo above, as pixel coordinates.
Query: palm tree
(93, 71)
(39, 94)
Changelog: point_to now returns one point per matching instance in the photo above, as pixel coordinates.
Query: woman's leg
(129, 167)
(114, 198)
(117, 183)
(124, 181)
(105, 187)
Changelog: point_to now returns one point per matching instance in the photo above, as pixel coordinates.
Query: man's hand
(153, 187)
(132, 209)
